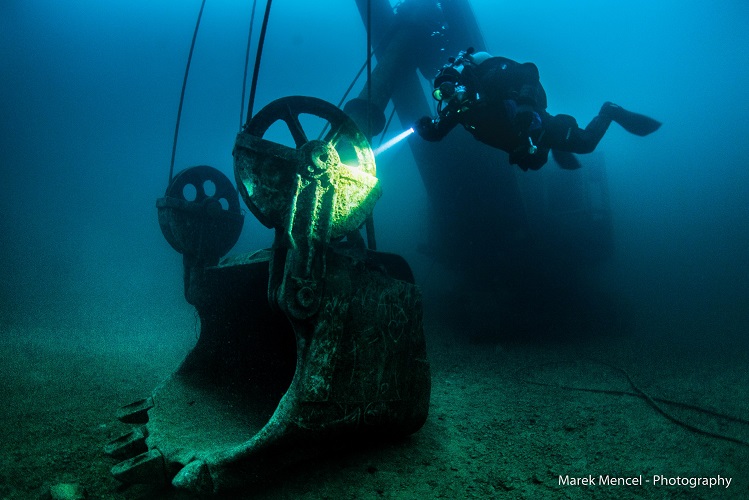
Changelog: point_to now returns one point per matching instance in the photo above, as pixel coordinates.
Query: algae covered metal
(308, 347)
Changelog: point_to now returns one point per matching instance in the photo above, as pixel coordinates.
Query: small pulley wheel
(200, 214)
(204, 186)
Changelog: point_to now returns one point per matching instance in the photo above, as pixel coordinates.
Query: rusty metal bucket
(311, 346)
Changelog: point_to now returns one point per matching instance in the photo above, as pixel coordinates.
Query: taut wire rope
(256, 71)
(246, 64)
(182, 95)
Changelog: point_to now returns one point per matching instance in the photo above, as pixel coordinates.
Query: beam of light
(395, 140)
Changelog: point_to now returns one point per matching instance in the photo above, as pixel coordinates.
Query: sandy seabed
(503, 422)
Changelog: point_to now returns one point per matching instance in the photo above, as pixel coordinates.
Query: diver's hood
(452, 71)
(448, 74)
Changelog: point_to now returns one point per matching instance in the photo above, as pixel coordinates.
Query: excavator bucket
(305, 348)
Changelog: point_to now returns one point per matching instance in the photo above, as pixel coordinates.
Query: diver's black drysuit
(506, 109)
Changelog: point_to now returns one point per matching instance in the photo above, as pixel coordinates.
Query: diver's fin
(566, 160)
(632, 122)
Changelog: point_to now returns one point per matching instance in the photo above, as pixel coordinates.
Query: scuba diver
(502, 103)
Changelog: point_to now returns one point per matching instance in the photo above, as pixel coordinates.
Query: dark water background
(88, 100)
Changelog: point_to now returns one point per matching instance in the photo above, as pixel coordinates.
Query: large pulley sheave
(271, 176)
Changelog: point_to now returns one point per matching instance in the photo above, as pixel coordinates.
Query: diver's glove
(524, 117)
(523, 158)
(427, 129)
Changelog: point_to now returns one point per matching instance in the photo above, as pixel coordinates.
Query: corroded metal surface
(269, 175)
(305, 348)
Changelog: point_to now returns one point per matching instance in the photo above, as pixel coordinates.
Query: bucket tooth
(136, 412)
(194, 477)
(128, 445)
(146, 468)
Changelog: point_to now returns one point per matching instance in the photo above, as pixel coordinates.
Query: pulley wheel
(206, 186)
(266, 172)
(200, 213)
